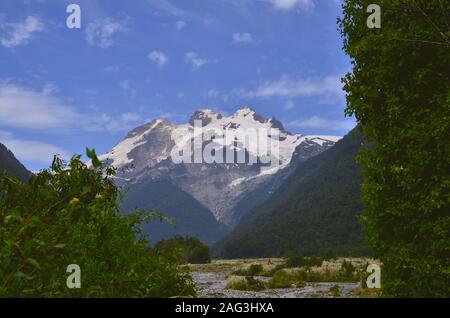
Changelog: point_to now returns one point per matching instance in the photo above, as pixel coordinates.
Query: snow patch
(119, 154)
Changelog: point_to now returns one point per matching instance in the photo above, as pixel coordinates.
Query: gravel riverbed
(212, 285)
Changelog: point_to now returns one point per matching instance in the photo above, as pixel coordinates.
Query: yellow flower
(98, 196)
(74, 201)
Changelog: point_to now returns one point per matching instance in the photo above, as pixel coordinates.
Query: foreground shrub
(69, 214)
(186, 249)
(399, 92)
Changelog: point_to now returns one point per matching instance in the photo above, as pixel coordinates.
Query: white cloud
(213, 93)
(289, 88)
(49, 88)
(36, 110)
(195, 60)
(292, 4)
(242, 38)
(30, 150)
(100, 33)
(166, 6)
(288, 105)
(112, 68)
(20, 33)
(127, 87)
(321, 123)
(130, 117)
(158, 57)
(180, 25)
(105, 122)
(24, 108)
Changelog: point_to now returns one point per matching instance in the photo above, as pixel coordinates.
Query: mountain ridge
(11, 165)
(220, 187)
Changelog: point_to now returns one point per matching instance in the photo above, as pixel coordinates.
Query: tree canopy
(399, 91)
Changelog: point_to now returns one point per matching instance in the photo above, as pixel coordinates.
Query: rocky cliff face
(226, 187)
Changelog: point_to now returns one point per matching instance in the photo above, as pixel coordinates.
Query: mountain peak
(148, 154)
(205, 115)
(206, 111)
(275, 123)
(244, 111)
(147, 127)
(247, 111)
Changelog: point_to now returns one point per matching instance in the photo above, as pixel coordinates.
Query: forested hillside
(314, 212)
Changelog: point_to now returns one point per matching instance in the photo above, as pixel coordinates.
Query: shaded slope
(11, 165)
(188, 215)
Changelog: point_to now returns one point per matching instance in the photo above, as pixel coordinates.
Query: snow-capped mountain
(224, 187)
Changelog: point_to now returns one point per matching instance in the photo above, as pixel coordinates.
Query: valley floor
(213, 280)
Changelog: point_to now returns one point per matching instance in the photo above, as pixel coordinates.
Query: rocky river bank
(211, 281)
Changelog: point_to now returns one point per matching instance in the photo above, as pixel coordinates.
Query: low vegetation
(335, 291)
(284, 274)
(252, 270)
(247, 284)
(286, 279)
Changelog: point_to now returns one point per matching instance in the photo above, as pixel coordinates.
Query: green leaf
(33, 263)
(86, 189)
(20, 274)
(90, 153)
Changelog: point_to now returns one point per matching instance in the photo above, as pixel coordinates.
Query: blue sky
(133, 61)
